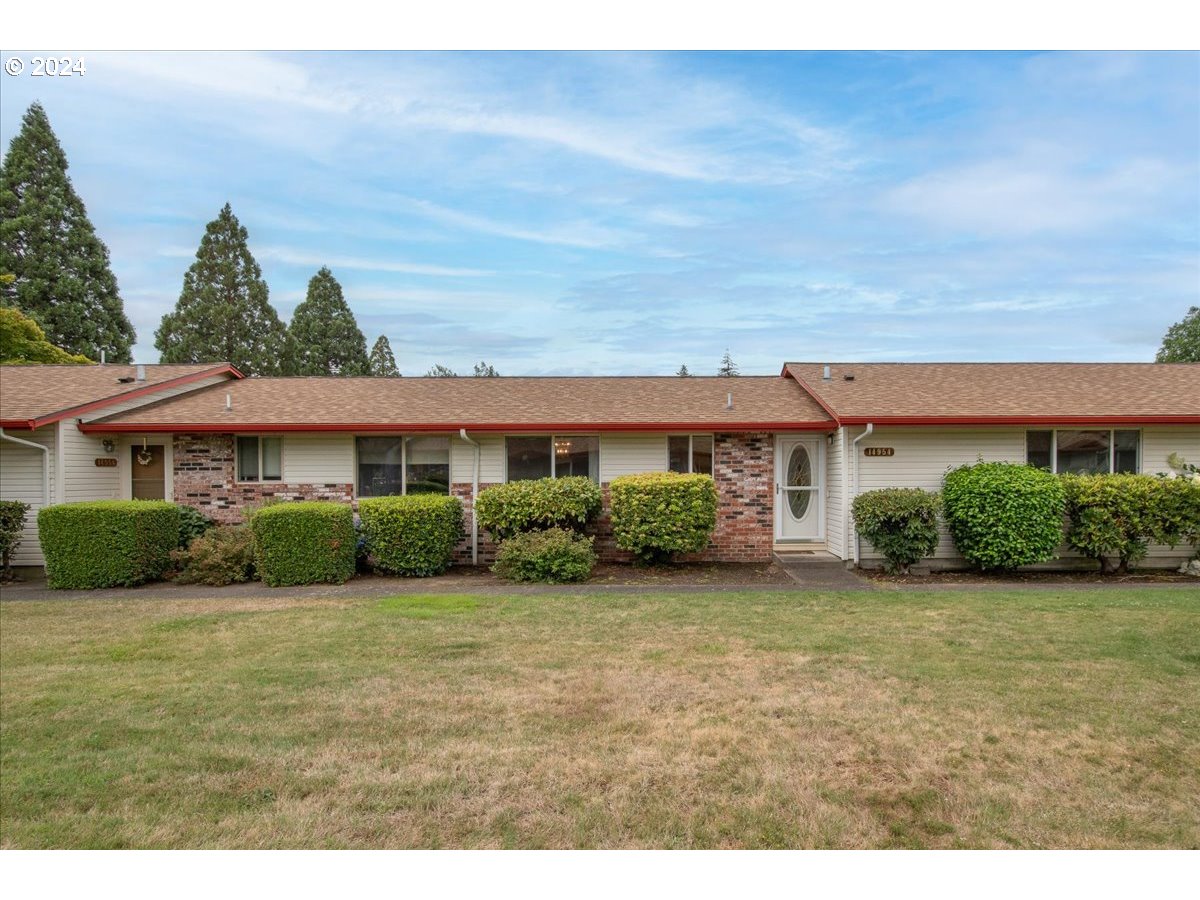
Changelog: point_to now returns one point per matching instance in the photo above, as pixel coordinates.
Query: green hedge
(1114, 518)
(304, 543)
(192, 524)
(901, 523)
(107, 543)
(12, 523)
(412, 535)
(658, 514)
(553, 556)
(1003, 515)
(508, 509)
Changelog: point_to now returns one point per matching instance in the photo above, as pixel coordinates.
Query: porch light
(109, 445)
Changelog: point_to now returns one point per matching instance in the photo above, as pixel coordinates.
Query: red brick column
(744, 470)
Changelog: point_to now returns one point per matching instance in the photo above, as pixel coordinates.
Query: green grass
(955, 719)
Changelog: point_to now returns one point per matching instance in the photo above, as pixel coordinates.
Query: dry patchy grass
(747, 720)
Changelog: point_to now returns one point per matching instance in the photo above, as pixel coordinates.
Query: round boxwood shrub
(222, 555)
(901, 523)
(1003, 515)
(553, 556)
(508, 509)
(658, 514)
(411, 535)
(107, 543)
(12, 524)
(304, 542)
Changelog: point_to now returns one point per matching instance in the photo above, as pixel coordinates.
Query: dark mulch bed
(718, 574)
(1019, 579)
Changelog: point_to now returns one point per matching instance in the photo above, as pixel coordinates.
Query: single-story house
(788, 452)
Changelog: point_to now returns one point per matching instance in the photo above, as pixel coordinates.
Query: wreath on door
(144, 456)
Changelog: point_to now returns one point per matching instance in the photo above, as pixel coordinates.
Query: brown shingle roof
(44, 393)
(507, 403)
(1066, 393)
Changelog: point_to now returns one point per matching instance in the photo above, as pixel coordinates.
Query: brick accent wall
(744, 470)
(205, 479)
(487, 549)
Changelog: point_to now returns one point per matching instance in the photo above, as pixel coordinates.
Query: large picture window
(557, 456)
(388, 466)
(1083, 451)
(259, 459)
(690, 453)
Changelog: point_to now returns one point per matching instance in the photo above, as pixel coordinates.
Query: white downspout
(462, 433)
(45, 462)
(854, 446)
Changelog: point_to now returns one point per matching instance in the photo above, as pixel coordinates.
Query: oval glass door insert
(799, 474)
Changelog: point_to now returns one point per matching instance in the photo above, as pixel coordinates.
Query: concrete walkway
(822, 573)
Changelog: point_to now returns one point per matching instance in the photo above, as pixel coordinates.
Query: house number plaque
(106, 462)
(879, 451)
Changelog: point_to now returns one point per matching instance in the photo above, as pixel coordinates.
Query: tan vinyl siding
(491, 459)
(82, 478)
(1160, 442)
(21, 479)
(629, 454)
(834, 496)
(318, 458)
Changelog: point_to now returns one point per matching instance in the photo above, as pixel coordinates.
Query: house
(788, 452)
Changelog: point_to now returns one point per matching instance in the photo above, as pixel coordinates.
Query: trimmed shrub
(107, 543)
(192, 524)
(12, 523)
(305, 542)
(412, 535)
(901, 523)
(553, 556)
(222, 555)
(1003, 515)
(508, 509)
(658, 514)
(1114, 518)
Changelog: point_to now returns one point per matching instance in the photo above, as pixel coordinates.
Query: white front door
(799, 509)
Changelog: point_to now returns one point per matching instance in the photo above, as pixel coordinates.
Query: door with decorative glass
(798, 504)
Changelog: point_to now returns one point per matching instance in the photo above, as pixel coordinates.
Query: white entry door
(799, 507)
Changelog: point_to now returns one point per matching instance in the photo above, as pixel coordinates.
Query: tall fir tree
(323, 337)
(223, 314)
(683, 371)
(63, 278)
(728, 368)
(382, 362)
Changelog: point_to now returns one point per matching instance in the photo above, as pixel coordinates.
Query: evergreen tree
(382, 363)
(440, 371)
(63, 279)
(728, 367)
(1181, 343)
(683, 372)
(323, 338)
(222, 314)
(483, 370)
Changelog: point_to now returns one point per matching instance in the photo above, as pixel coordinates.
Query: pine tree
(63, 279)
(483, 370)
(382, 362)
(683, 372)
(323, 338)
(1181, 343)
(440, 371)
(728, 367)
(223, 314)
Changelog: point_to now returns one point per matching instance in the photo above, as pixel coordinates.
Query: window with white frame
(259, 459)
(389, 466)
(690, 453)
(1084, 451)
(552, 456)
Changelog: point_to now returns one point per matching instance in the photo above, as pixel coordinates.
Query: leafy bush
(1116, 517)
(304, 543)
(107, 543)
(192, 524)
(553, 556)
(12, 523)
(508, 509)
(901, 523)
(222, 555)
(1003, 515)
(658, 514)
(412, 535)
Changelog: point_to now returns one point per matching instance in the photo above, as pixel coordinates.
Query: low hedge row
(659, 514)
(306, 542)
(12, 523)
(520, 506)
(553, 556)
(901, 523)
(411, 535)
(107, 543)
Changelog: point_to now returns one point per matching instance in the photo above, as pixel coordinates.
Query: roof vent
(141, 372)
(228, 402)
(826, 375)
(729, 400)
(848, 377)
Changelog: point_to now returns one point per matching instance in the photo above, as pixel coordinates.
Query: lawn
(954, 719)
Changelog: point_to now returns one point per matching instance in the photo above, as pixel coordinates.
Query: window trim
(691, 454)
(404, 439)
(1112, 446)
(237, 459)
(553, 455)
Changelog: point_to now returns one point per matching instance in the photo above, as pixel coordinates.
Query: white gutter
(854, 446)
(462, 433)
(45, 462)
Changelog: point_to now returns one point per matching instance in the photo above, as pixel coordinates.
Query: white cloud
(296, 257)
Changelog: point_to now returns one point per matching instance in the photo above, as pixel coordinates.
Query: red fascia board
(1021, 420)
(510, 428)
(137, 392)
(19, 424)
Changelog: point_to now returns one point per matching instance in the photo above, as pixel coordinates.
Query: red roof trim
(1021, 420)
(138, 392)
(510, 427)
(22, 424)
(787, 371)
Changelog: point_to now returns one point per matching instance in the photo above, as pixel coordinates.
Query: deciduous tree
(1181, 343)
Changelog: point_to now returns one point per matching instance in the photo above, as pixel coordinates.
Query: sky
(626, 213)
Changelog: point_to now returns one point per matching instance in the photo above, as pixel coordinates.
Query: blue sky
(627, 212)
